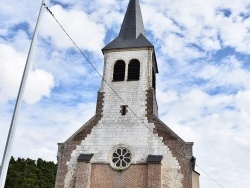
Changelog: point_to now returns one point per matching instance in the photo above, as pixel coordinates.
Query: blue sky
(203, 85)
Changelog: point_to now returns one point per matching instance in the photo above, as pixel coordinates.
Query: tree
(28, 173)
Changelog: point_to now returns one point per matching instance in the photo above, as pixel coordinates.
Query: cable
(47, 8)
(82, 52)
(209, 176)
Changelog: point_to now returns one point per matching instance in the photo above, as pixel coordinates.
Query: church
(125, 144)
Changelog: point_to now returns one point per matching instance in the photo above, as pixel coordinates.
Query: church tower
(125, 144)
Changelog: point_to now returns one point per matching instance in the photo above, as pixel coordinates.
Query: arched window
(153, 79)
(119, 71)
(134, 70)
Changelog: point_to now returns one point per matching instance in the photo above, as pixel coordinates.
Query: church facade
(125, 144)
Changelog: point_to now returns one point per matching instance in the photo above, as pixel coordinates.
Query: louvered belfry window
(134, 70)
(153, 79)
(119, 71)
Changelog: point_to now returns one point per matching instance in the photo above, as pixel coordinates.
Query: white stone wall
(133, 93)
(130, 130)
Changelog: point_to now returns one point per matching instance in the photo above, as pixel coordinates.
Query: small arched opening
(119, 71)
(134, 70)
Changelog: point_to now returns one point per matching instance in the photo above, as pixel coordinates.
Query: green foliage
(28, 173)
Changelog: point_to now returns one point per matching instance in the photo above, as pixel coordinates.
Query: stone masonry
(139, 129)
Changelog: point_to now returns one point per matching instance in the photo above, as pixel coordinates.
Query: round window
(121, 158)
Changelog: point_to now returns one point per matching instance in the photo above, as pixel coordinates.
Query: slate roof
(132, 33)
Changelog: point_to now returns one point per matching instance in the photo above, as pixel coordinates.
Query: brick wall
(154, 175)
(103, 176)
(83, 175)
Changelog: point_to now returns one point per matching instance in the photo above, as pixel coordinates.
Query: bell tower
(130, 65)
(125, 144)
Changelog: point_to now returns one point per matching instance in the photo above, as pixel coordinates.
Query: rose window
(121, 158)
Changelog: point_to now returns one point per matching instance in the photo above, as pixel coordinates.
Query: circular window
(121, 158)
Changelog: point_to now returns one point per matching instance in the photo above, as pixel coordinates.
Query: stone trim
(154, 175)
(180, 149)
(154, 159)
(83, 175)
(65, 149)
(85, 158)
(86, 129)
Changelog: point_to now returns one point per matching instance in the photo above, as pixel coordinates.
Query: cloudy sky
(203, 88)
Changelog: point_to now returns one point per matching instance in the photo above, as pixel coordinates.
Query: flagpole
(11, 134)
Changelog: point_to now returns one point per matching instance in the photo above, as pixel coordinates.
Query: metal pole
(10, 138)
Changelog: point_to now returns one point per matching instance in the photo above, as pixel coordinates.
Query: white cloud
(13, 12)
(218, 125)
(201, 23)
(39, 82)
(243, 103)
(41, 127)
(229, 73)
(234, 32)
(11, 68)
(86, 33)
(187, 36)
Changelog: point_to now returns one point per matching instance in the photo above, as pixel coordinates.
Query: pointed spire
(132, 25)
(132, 33)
